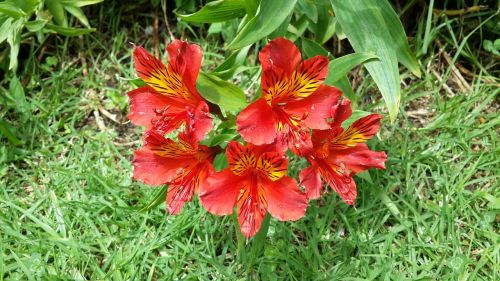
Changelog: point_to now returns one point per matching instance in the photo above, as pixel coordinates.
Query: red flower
(170, 98)
(255, 181)
(184, 165)
(340, 153)
(294, 99)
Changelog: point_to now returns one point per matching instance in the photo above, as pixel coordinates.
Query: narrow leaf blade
(217, 11)
(363, 24)
(269, 17)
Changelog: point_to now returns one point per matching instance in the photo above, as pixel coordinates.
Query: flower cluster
(296, 112)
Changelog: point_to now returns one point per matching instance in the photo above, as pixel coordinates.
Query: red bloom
(170, 98)
(340, 153)
(255, 181)
(294, 99)
(184, 165)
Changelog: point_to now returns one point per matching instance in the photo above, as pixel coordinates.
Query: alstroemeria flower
(170, 98)
(184, 165)
(255, 181)
(339, 154)
(294, 99)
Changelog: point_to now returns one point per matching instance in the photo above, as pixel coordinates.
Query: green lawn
(70, 209)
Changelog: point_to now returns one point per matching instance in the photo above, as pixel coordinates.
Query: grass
(70, 209)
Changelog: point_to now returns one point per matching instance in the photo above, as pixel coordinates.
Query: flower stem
(258, 241)
(240, 250)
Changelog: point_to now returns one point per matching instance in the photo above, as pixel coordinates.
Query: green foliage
(217, 11)
(70, 209)
(226, 95)
(269, 17)
(50, 16)
(372, 27)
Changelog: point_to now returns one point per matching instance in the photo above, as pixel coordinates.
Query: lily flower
(338, 154)
(294, 99)
(170, 98)
(183, 165)
(256, 183)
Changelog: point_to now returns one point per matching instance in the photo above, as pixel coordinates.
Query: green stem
(258, 241)
(240, 250)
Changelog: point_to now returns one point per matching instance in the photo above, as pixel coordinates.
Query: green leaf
(364, 25)
(17, 93)
(14, 40)
(324, 28)
(221, 138)
(217, 11)
(341, 66)
(28, 6)
(5, 28)
(35, 25)
(138, 82)
(282, 29)
(295, 31)
(80, 3)
(222, 93)
(157, 199)
(6, 131)
(366, 176)
(398, 35)
(251, 7)
(78, 13)
(69, 31)
(11, 10)
(269, 17)
(227, 69)
(56, 8)
(345, 86)
(220, 162)
(309, 8)
(311, 48)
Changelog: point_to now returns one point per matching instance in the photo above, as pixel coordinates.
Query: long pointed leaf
(269, 17)
(340, 67)
(399, 41)
(217, 11)
(364, 25)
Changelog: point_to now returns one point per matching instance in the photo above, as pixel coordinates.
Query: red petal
(359, 158)
(177, 196)
(220, 192)
(185, 59)
(183, 190)
(256, 123)
(316, 107)
(282, 54)
(251, 211)
(167, 81)
(279, 87)
(240, 158)
(308, 77)
(184, 147)
(202, 123)
(359, 132)
(310, 179)
(285, 201)
(143, 103)
(272, 165)
(147, 65)
(156, 170)
(340, 112)
(339, 180)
